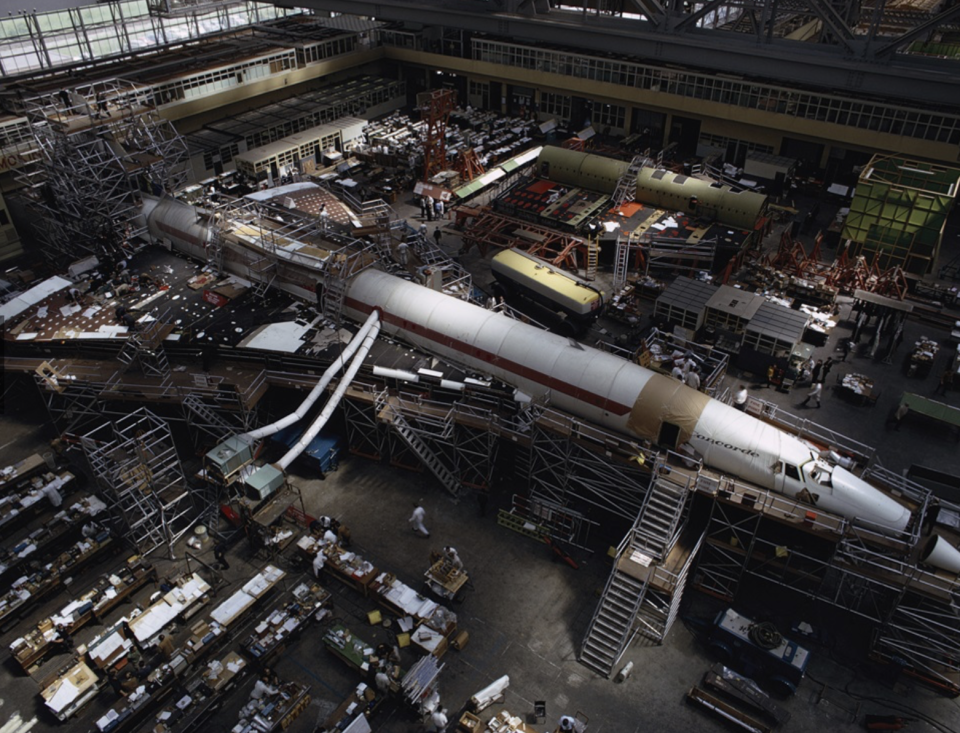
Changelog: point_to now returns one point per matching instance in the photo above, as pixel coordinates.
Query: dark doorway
(685, 132)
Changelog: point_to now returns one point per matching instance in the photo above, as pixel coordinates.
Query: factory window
(555, 105)
(609, 115)
(841, 111)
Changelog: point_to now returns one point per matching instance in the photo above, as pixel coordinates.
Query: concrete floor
(527, 614)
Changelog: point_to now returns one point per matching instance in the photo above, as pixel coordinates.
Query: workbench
(129, 712)
(26, 500)
(236, 606)
(504, 722)
(352, 650)
(202, 696)
(349, 568)
(109, 591)
(178, 603)
(278, 711)
(57, 530)
(444, 579)
(363, 701)
(35, 587)
(70, 690)
(281, 625)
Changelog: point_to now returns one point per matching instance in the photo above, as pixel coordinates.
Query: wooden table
(70, 690)
(857, 387)
(444, 579)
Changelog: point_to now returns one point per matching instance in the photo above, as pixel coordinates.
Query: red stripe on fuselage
(471, 351)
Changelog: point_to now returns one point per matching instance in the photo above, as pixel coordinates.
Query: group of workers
(686, 369)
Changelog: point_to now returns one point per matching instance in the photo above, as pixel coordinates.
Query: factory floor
(525, 612)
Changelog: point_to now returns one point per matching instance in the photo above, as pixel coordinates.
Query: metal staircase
(263, 272)
(613, 626)
(656, 527)
(422, 450)
(621, 611)
(210, 422)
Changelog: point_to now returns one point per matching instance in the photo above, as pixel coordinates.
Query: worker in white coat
(740, 398)
(416, 519)
(318, 562)
(438, 720)
(814, 394)
(453, 556)
(262, 688)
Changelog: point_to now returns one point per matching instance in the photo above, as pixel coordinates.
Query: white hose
(315, 393)
(334, 400)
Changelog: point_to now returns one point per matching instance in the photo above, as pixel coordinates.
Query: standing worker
(437, 236)
(165, 647)
(814, 394)
(827, 366)
(438, 720)
(416, 519)
(740, 398)
(818, 367)
(402, 251)
(692, 379)
(567, 723)
(220, 553)
(318, 562)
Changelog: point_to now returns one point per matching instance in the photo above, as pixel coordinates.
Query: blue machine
(324, 449)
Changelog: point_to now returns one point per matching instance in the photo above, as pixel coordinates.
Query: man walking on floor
(416, 519)
(814, 394)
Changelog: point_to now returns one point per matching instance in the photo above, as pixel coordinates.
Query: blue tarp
(324, 449)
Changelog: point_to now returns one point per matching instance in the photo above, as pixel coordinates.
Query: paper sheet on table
(65, 694)
(107, 647)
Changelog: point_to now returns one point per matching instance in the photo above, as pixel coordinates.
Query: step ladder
(593, 257)
(626, 189)
(263, 272)
(621, 262)
(334, 289)
(613, 625)
(429, 459)
(210, 421)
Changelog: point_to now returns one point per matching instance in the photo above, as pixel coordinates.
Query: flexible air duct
(311, 432)
(315, 393)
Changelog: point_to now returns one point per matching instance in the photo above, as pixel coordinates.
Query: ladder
(621, 262)
(593, 257)
(334, 289)
(626, 189)
(450, 482)
(612, 627)
(265, 269)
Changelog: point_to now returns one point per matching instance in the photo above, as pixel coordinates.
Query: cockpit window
(791, 471)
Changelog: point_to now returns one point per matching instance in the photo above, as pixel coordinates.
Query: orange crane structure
(435, 107)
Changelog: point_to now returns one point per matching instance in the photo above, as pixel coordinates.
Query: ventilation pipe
(328, 375)
(335, 398)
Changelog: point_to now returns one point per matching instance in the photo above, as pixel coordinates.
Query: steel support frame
(135, 462)
(566, 468)
(84, 185)
(926, 632)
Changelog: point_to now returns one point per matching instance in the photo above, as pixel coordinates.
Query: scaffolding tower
(135, 462)
(99, 146)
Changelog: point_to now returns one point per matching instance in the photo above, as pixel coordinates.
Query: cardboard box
(469, 723)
